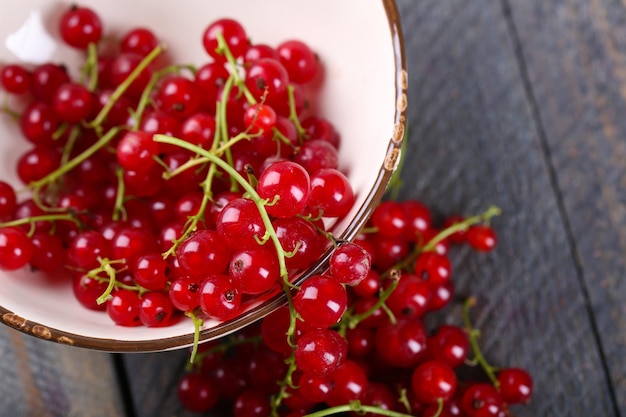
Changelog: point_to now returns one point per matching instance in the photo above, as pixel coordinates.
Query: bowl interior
(360, 47)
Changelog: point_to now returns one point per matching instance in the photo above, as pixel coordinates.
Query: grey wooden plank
(475, 142)
(575, 53)
(45, 379)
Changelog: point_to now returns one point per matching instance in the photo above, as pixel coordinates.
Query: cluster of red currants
(166, 188)
(353, 340)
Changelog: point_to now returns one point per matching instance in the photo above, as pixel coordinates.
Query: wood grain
(45, 379)
(575, 52)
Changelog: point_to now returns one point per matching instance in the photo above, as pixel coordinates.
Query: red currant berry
(8, 200)
(156, 309)
(433, 268)
(87, 290)
(38, 123)
(199, 129)
(37, 163)
(240, 224)
(258, 51)
(16, 248)
(459, 236)
(151, 271)
(47, 78)
(449, 344)
(254, 271)
(15, 79)
(123, 65)
(401, 344)
(219, 299)
(86, 249)
(286, 186)
(411, 298)
(203, 253)
(123, 308)
(184, 293)
(350, 264)
(349, 382)
(48, 252)
(434, 381)
(482, 238)
(516, 385)
(267, 76)
(73, 102)
(481, 400)
(251, 403)
(234, 35)
(389, 219)
(317, 154)
(80, 26)
(140, 41)
(136, 151)
(331, 193)
(319, 352)
(197, 392)
(178, 96)
(299, 60)
(321, 301)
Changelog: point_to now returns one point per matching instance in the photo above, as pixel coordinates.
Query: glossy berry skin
(482, 238)
(16, 248)
(239, 224)
(151, 271)
(156, 309)
(130, 243)
(123, 308)
(300, 239)
(390, 220)
(73, 102)
(321, 301)
(37, 163)
(38, 123)
(401, 344)
(259, 119)
(418, 219)
(433, 268)
(516, 385)
(140, 41)
(123, 65)
(178, 96)
(203, 254)
(80, 26)
(47, 78)
(15, 79)
(433, 381)
(449, 344)
(349, 382)
(331, 193)
(184, 293)
(299, 61)
(350, 264)
(254, 271)
(411, 298)
(315, 388)
(319, 352)
(219, 299)
(286, 185)
(197, 392)
(317, 154)
(481, 400)
(48, 252)
(8, 200)
(234, 35)
(267, 76)
(136, 151)
(87, 290)
(251, 403)
(86, 248)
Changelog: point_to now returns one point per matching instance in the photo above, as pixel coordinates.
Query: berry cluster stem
(359, 408)
(473, 335)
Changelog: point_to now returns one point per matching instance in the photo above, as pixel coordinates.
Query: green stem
(121, 89)
(461, 227)
(43, 218)
(258, 201)
(222, 48)
(197, 323)
(357, 408)
(145, 95)
(352, 321)
(69, 145)
(105, 266)
(118, 208)
(473, 338)
(92, 66)
(293, 114)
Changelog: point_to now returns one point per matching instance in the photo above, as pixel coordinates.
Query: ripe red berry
(321, 301)
(16, 248)
(286, 186)
(15, 79)
(516, 385)
(299, 60)
(80, 26)
(481, 400)
(350, 264)
(433, 381)
(482, 238)
(197, 393)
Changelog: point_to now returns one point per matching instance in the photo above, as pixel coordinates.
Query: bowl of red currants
(171, 173)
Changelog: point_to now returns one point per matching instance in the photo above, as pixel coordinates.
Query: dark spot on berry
(229, 295)
(160, 316)
(261, 84)
(238, 265)
(179, 107)
(193, 287)
(478, 404)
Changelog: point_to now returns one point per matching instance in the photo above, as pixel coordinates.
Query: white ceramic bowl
(360, 45)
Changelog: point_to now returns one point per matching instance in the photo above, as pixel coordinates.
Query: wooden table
(517, 103)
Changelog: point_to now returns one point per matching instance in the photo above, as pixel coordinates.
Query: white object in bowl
(363, 94)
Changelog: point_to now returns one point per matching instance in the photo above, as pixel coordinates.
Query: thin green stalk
(121, 89)
(357, 408)
(473, 338)
(258, 201)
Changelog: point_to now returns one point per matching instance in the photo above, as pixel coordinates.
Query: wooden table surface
(517, 103)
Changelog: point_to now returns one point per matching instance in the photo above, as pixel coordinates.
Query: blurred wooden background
(517, 103)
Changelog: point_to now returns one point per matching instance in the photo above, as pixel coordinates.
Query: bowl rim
(372, 199)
